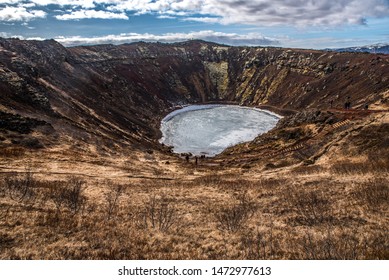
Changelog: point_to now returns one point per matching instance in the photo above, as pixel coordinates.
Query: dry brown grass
(308, 213)
(374, 193)
(376, 166)
(343, 244)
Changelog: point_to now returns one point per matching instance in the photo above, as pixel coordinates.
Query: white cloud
(264, 12)
(9, 1)
(25, 24)
(253, 12)
(20, 14)
(166, 17)
(208, 35)
(75, 3)
(325, 42)
(86, 4)
(203, 19)
(4, 34)
(85, 14)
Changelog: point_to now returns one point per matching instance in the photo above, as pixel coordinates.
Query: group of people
(187, 157)
(347, 104)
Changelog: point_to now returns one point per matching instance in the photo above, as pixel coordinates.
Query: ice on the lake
(210, 129)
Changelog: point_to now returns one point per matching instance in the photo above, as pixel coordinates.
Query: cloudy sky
(285, 23)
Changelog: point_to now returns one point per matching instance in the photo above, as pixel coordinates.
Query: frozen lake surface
(210, 129)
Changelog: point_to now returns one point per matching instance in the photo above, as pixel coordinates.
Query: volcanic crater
(82, 168)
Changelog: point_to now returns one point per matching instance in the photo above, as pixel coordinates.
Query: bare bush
(332, 246)
(158, 213)
(20, 187)
(112, 200)
(232, 218)
(259, 245)
(69, 195)
(311, 206)
(76, 199)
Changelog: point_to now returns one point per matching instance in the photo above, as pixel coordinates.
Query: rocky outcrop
(18, 123)
(118, 94)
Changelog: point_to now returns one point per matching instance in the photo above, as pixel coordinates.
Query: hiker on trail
(347, 105)
(196, 160)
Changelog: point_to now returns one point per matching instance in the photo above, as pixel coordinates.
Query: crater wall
(117, 95)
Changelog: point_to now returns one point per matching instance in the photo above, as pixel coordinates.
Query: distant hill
(377, 48)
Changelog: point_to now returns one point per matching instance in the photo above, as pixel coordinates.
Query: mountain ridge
(379, 48)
